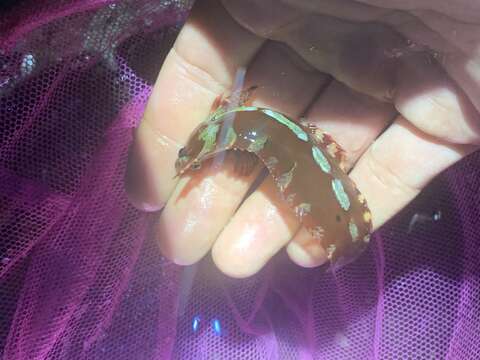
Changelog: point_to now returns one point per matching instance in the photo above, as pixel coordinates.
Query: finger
(257, 231)
(399, 164)
(198, 208)
(286, 82)
(201, 65)
(433, 102)
(187, 230)
(306, 251)
(354, 120)
(452, 87)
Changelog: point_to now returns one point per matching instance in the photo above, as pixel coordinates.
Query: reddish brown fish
(305, 164)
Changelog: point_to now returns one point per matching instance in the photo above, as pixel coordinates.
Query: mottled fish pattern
(306, 166)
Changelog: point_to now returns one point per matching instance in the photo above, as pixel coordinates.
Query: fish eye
(195, 165)
(181, 152)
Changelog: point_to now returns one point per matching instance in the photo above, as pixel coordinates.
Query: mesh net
(81, 276)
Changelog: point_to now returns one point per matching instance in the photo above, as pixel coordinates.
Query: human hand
(398, 87)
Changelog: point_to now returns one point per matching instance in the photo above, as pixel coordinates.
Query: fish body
(306, 166)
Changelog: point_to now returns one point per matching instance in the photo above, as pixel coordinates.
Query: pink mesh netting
(81, 276)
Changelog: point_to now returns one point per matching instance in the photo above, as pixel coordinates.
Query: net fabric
(80, 273)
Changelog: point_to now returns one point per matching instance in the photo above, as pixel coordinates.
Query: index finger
(202, 64)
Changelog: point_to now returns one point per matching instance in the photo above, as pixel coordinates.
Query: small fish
(307, 166)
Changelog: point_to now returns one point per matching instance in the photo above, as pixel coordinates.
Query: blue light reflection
(196, 323)
(217, 326)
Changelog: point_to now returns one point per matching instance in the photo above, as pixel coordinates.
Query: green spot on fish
(230, 137)
(244, 108)
(221, 112)
(352, 227)
(282, 119)
(320, 159)
(258, 144)
(209, 137)
(209, 134)
(340, 194)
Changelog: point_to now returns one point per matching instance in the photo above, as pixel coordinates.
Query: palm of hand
(404, 103)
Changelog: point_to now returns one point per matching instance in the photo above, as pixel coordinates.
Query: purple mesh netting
(81, 276)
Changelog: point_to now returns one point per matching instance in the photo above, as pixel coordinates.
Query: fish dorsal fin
(240, 97)
(327, 143)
